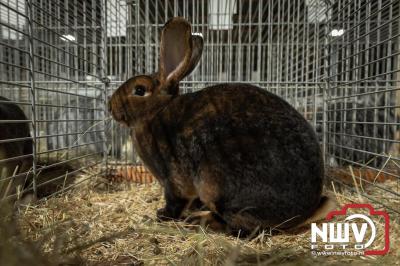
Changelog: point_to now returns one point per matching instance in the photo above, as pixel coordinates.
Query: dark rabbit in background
(9, 149)
(249, 156)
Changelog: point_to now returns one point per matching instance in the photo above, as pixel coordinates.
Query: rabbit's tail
(326, 205)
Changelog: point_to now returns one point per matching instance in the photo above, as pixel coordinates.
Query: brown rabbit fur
(249, 156)
(10, 149)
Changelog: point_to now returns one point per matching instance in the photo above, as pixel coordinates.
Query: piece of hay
(110, 227)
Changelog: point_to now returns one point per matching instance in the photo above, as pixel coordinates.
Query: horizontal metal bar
(56, 18)
(369, 63)
(14, 140)
(15, 102)
(63, 51)
(70, 147)
(67, 93)
(25, 174)
(71, 160)
(16, 158)
(72, 185)
(12, 28)
(371, 30)
(68, 174)
(61, 36)
(14, 65)
(15, 84)
(13, 47)
(67, 120)
(363, 50)
(15, 121)
(63, 78)
(359, 94)
(361, 151)
(69, 134)
(366, 166)
(68, 107)
(362, 137)
(362, 108)
(364, 123)
(66, 66)
(13, 9)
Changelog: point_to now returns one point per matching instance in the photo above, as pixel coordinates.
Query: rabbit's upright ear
(197, 50)
(180, 52)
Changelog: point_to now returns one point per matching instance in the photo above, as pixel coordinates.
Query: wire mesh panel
(51, 64)
(362, 107)
(274, 44)
(16, 149)
(337, 62)
(120, 150)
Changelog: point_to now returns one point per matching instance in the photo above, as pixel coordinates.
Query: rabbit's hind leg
(237, 226)
(208, 187)
(207, 219)
(243, 224)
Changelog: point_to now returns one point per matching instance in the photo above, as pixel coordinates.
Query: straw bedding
(102, 223)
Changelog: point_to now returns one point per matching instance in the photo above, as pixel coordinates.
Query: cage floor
(103, 224)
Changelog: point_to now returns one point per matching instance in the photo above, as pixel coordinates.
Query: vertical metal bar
(156, 37)
(147, 32)
(32, 93)
(249, 44)
(229, 63)
(270, 41)
(175, 8)
(326, 89)
(75, 76)
(346, 70)
(365, 69)
(259, 37)
(239, 46)
(104, 68)
(216, 44)
(137, 38)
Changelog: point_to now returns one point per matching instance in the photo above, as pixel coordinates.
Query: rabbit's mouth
(117, 110)
(120, 117)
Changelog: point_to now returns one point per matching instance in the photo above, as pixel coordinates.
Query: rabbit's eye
(140, 90)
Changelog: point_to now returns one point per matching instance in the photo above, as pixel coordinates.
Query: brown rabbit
(15, 155)
(249, 156)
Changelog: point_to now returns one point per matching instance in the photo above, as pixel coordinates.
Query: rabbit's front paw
(174, 206)
(166, 214)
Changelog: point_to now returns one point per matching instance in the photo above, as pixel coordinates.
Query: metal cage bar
(336, 62)
(52, 68)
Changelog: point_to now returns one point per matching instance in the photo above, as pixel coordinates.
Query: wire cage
(337, 62)
(51, 64)
(267, 43)
(361, 107)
